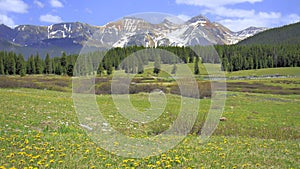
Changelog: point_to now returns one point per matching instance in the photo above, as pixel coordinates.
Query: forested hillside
(277, 47)
(289, 34)
(245, 57)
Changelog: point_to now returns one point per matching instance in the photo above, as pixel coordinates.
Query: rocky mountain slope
(70, 37)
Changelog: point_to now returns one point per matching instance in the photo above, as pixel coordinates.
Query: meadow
(39, 128)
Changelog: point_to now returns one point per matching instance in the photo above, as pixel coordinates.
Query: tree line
(113, 59)
(245, 57)
(231, 57)
(15, 64)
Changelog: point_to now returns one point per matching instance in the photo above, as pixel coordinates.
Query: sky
(234, 14)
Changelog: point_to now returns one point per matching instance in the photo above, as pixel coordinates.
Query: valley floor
(40, 129)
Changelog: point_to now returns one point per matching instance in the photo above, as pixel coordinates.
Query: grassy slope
(169, 67)
(40, 128)
(290, 71)
(285, 71)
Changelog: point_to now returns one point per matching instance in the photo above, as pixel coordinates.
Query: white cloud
(242, 23)
(261, 19)
(184, 17)
(270, 15)
(56, 4)
(50, 18)
(11, 6)
(227, 12)
(238, 19)
(214, 3)
(179, 19)
(16, 6)
(88, 10)
(7, 21)
(293, 18)
(38, 3)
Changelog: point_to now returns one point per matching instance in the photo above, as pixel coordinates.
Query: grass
(40, 129)
(288, 71)
(166, 69)
(47, 82)
(284, 71)
(285, 86)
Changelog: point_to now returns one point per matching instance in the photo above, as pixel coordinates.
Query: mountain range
(71, 37)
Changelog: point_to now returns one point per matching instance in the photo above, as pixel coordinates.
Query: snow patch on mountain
(129, 31)
(241, 35)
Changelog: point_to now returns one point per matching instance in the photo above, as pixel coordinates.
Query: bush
(204, 89)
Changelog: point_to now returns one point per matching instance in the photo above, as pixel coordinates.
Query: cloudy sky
(234, 14)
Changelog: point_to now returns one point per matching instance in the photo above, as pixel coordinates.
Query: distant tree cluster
(113, 59)
(13, 64)
(133, 59)
(232, 58)
(245, 57)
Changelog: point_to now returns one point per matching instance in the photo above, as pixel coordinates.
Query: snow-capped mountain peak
(246, 33)
(125, 32)
(199, 18)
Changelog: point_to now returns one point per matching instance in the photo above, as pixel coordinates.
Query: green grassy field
(40, 129)
(289, 71)
(285, 71)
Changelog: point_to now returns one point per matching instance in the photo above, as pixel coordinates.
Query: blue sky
(234, 14)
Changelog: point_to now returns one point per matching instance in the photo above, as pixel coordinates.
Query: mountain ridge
(124, 32)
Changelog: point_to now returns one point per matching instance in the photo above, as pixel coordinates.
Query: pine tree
(224, 63)
(251, 64)
(196, 66)
(126, 65)
(63, 63)
(70, 70)
(53, 66)
(30, 65)
(156, 65)
(58, 69)
(140, 66)
(1, 66)
(38, 64)
(108, 65)
(100, 69)
(21, 65)
(48, 65)
(109, 69)
(10, 64)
